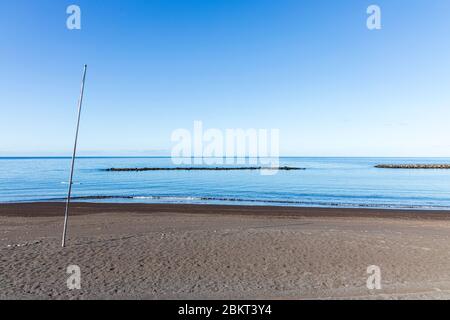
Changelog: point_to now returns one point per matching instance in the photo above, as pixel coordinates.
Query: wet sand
(143, 251)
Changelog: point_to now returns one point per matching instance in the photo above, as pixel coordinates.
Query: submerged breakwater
(203, 169)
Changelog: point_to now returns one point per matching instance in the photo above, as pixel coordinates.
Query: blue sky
(309, 68)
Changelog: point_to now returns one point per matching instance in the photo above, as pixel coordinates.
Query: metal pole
(80, 102)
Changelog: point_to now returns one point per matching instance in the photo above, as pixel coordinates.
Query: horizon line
(169, 157)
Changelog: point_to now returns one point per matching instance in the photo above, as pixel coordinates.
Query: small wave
(281, 202)
(168, 198)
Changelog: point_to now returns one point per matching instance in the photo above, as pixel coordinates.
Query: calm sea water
(327, 182)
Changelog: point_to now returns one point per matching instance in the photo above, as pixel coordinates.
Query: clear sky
(309, 68)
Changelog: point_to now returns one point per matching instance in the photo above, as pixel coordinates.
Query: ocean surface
(326, 182)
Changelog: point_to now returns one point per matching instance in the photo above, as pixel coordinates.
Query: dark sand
(138, 251)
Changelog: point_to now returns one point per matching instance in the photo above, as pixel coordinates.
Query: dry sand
(217, 252)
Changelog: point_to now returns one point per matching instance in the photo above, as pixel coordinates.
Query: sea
(325, 182)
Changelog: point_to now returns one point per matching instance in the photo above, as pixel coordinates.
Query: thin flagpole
(69, 192)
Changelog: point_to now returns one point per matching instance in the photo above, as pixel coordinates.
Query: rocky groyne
(413, 166)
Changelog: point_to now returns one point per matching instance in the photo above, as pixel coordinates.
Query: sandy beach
(143, 251)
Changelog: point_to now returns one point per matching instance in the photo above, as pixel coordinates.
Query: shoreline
(228, 202)
(54, 209)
